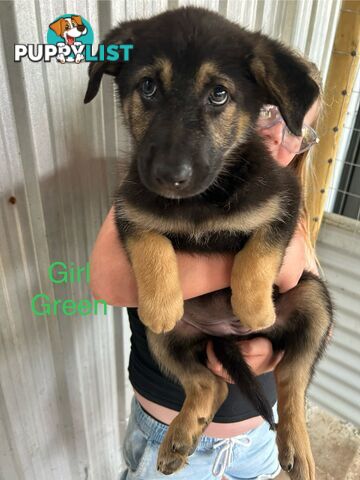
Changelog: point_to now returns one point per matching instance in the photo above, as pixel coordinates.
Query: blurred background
(64, 394)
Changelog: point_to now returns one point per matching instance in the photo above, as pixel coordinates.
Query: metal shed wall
(63, 388)
(336, 385)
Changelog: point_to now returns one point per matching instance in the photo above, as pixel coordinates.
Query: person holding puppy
(238, 444)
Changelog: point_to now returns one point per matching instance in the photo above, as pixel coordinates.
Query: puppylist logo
(70, 40)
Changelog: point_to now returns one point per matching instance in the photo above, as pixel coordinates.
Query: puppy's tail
(228, 353)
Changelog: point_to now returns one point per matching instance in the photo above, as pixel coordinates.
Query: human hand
(257, 353)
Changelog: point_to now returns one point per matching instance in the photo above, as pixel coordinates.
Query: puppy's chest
(198, 227)
(210, 242)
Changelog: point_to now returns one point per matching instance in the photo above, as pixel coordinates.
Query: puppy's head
(192, 91)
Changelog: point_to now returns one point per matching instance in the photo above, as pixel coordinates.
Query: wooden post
(339, 84)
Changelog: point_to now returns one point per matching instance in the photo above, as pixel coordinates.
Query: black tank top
(147, 379)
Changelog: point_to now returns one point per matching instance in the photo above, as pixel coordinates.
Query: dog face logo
(70, 30)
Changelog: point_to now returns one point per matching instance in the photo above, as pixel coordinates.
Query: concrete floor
(336, 447)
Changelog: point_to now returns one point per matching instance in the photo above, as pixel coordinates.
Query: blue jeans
(250, 456)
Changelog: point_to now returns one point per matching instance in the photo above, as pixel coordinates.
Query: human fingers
(259, 355)
(258, 346)
(214, 365)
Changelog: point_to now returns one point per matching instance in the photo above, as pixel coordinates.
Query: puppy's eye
(218, 96)
(148, 87)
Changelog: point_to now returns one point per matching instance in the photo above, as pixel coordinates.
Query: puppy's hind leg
(307, 315)
(204, 395)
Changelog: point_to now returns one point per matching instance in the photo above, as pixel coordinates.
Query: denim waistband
(156, 430)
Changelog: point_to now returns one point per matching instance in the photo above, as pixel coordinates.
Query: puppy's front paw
(295, 454)
(161, 314)
(254, 312)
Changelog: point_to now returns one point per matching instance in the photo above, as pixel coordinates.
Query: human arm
(112, 278)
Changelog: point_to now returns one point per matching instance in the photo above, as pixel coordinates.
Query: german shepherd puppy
(201, 180)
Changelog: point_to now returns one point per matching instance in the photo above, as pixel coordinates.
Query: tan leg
(295, 454)
(253, 276)
(310, 321)
(154, 262)
(204, 395)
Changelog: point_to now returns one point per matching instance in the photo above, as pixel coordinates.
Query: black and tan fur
(201, 180)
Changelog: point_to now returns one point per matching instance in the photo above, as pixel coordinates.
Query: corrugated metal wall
(336, 386)
(63, 393)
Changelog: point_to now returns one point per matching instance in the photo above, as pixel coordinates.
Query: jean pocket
(135, 447)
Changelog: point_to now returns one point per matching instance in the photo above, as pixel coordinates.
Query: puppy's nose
(81, 28)
(177, 176)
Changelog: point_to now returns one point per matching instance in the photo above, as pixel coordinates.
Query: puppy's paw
(161, 314)
(256, 314)
(295, 454)
(177, 445)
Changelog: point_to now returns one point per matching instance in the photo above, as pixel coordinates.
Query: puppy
(201, 180)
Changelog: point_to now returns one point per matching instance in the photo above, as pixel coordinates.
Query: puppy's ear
(96, 72)
(58, 27)
(285, 80)
(117, 36)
